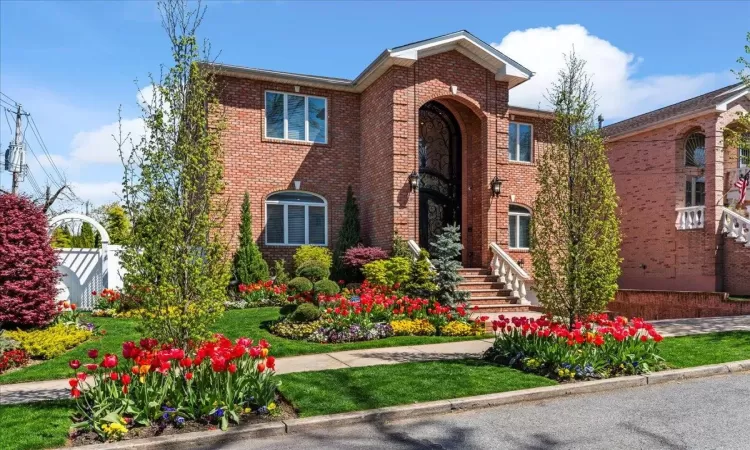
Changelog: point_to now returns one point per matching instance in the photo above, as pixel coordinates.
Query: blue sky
(71, 64)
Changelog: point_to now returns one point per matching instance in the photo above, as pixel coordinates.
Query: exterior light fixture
(496, 185)
(414, 180)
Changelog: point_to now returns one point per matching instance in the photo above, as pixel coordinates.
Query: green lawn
(703, 349)
(342, 390)
(235, 323)
(38, 425)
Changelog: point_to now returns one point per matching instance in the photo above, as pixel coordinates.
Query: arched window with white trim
(296, 218)
(519, 221)
(695, 150)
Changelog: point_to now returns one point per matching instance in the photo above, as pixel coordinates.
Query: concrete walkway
(47, 390)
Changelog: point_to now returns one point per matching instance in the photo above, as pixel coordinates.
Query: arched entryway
(439, 171)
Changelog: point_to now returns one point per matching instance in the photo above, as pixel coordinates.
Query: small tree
(575, 239)
(422, 278)
(446, 251)
(400, 248)
(349, 236)
(248, 266)
(61, 238)
(117, 224)
(85, 237)
(176, 262)
(28, 279)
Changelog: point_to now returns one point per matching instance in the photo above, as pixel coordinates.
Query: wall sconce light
(414, 181)
(496, 186)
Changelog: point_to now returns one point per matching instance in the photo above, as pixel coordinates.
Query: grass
(342, 390)
(703, 349)
(37, 425)
(235, 323)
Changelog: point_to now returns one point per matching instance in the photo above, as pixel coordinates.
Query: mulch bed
(286, 412)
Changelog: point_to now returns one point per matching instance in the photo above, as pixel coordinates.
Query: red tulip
(178, 353)
(125, 379)
(73, 382)
(74, 364)
(75, 392)
(93, 293)
(81, 376)
(124, 389)
(109, 361)
(186, 362)
(264, 343)
(73, 307)
(261, 367)
(114, 376)
(245, 342)
(254, 352)
(134, 370)
(93, 353)
(232, 368)
(271, 363)
(91, 367)
(189, 376)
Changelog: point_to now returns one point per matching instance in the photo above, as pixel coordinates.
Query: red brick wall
(656, 305)
(736, 259)
(261, 166)
(649, 174)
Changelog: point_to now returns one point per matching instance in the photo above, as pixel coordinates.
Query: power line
(38, 135)
(40, 164)
(12, 101)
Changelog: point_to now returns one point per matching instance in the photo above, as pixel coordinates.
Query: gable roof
(714, 101)
(504, 68)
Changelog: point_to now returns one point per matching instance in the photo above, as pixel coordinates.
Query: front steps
(488, 294)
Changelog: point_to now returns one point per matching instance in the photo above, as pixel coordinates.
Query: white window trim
(518, 142)
(515, 216)
(307, 205)
(286, 117)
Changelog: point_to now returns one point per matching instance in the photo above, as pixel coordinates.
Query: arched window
(296, 218)
(519, 219)
(695, 150)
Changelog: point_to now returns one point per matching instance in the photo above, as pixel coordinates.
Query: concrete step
(487, 292)
(496, 300)
(479, 278)
(494, 310)
(473, 271)
(468, 286)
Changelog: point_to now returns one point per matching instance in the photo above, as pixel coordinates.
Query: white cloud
(98, 193)
(99, 145)
(620, 93)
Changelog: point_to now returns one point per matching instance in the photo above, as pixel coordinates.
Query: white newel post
(113, 271)
(510, 273)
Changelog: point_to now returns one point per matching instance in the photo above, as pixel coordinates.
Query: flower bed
(158, 385)
(263, 293)
(373, 312)
(593, 348)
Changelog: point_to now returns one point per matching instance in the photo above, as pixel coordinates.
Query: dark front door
(439, 172)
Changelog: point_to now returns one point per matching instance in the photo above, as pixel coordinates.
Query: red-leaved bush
(28, 279)
(356, 257)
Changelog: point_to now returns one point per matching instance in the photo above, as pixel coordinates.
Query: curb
(293, 426)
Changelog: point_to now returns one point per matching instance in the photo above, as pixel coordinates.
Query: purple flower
(220, 412)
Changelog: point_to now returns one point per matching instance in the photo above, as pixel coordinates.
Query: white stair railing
(510, 273)
(690, 218)
(416, 250)
(736, 226)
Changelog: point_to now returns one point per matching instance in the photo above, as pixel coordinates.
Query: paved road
(710, 413)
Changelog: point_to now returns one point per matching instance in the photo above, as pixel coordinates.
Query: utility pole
(15, 156)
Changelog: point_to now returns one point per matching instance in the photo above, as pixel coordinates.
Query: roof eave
(663, 123)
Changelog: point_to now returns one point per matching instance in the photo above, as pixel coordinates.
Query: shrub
(313, 270)
(327, 287)
(248, 266)
(287, 309)
(215, 381)
(356, 257)
(313, 253)
(300, 285)
(446, 251)
(387, 272)
(421, 278)
(49, 342)
(417, 327)
(7, 343)
(457, 328)
(399, 247)
(306, 312)
(294, 330)
(28, 279)
(594, 348)
(280, 275)
(348, 236)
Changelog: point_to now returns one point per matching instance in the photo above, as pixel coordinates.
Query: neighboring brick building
(675, 182)
(438, 108)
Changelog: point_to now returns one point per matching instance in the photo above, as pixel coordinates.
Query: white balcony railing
(736, 226)
(691, 217)
(510, 273)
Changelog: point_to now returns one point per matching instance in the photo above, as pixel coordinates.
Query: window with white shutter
(296, 117)
(296, 218)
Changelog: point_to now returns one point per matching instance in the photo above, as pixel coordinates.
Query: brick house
(675, 181)
(434, 112)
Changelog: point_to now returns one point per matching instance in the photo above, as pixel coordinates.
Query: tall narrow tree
(248, 266)
(575, 240)
(349, 236)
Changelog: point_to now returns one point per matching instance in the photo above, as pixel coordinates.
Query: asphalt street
(708, 413)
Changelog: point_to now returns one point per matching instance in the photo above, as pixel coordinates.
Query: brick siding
(656, 305)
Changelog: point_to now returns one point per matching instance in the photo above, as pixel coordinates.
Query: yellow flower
(271, 406)
(248, 410)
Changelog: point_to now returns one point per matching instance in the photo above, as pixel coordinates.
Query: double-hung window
(296, 218)
(519, 220)
(520, 142)
(296, 117)
(695, 191)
